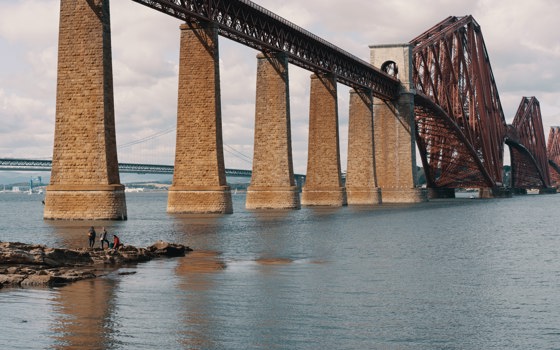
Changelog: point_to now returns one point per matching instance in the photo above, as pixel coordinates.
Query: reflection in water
(200, 231)
(25, 316)
(274, 261)
(83, 315)
(199, 261)
(194, 272)
(447, 274)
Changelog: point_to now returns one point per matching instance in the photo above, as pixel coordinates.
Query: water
(448, 274)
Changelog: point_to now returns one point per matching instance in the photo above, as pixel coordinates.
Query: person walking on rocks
(91, 236)
(103, 238)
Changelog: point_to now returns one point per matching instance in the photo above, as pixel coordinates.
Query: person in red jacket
(116, 242)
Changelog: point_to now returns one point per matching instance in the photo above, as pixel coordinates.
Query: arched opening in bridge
(391, 68)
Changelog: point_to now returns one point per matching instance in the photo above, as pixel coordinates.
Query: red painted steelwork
(459, 118)
(525, 137)
(553, 150)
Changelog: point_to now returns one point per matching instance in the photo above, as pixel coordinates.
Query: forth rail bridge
(436, 93)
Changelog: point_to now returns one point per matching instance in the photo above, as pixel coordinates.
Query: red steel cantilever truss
(525, 138)
(553, 150)
(459, 118)
(254, 26)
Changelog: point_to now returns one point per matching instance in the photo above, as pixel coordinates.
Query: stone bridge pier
(85, 181)
(199, 178)
(272, 182)
(361, 181)
(395, 131)
(323, 184)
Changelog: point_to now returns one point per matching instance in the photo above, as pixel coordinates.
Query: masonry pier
(361, 182)
(323, 185)
(272, 181)
(85, 181)
(395, 131)
(199, 179)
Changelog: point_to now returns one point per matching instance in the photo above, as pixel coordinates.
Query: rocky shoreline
(34, 265)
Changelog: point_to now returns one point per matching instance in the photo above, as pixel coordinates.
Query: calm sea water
(447, 274)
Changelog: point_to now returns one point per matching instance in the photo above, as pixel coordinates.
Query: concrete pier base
(363, 196)
(85, 203)
(413, 195)
(272, 197)
(327, 196)
(199, 200)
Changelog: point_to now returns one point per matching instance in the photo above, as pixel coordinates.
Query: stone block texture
(395, 131)
(272, 182)
(85, 180)
(199, 180)
(323, 185)
(361, 182)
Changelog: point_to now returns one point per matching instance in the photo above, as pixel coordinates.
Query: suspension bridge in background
(152, 154)
(14, 164)
(141, 157)
(38, 165)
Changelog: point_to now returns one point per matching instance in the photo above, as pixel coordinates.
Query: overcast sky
(522, 40)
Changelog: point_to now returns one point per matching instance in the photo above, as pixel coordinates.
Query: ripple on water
(465, 274)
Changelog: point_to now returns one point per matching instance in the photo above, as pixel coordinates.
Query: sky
(522, 41)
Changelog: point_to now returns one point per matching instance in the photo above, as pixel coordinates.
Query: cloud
(520, 38)
(29, 22)
(27, 127)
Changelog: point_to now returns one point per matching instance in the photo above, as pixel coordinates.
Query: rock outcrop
(32, 265)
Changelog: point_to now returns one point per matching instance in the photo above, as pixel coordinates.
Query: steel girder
(553, 152)
(252, 25)
(449, 158)
(526, 140)
(554, 174)
(461, 141)
(19, 164)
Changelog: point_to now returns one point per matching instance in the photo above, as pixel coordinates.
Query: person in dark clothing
(103, 238)
(91, 236)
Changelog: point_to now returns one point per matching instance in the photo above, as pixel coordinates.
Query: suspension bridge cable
(149, 137)
(164, 132)
(240, 155)
(235, 155)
